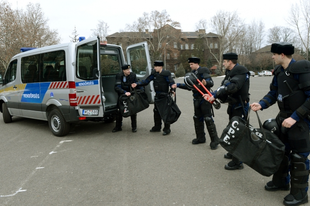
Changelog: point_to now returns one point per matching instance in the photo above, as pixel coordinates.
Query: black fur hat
(126, 66)
(158, 63)
(230, 56)
(282, 47)
(193, 60)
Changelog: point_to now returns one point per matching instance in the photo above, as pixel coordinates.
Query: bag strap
(248, 118)
(261, 126)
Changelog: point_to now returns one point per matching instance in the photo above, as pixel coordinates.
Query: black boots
(234, 164)
(299, 182)
(157, 121)
(118, 124)
(166, 129)
(279, 181)
(133, 123)
(199, 130)
(212, 132)
(119, 120)
(200, 134)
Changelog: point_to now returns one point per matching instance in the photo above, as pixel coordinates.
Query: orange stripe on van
(59, 85)
(87, 100)
(92, 97)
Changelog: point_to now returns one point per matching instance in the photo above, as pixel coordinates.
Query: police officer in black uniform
(123, 83)
(202, 109)
(234, 90)
(290, 88)
(162, 81)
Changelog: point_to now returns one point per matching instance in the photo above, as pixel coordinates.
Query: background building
(173, 46)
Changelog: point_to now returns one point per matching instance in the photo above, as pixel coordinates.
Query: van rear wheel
(57, 123)
(7, 118)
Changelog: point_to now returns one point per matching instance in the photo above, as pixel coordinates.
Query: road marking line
(39, 166)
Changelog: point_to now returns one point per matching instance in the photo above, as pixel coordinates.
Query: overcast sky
(64, 15)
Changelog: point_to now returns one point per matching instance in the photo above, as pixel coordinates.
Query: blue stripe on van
(35, 92)
(86, 83)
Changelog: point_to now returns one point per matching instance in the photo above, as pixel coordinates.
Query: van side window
(30, 69)
(110, 64)
(46, 67)
(10, 74)
(138, 60)
(86, 67)
(54, 67)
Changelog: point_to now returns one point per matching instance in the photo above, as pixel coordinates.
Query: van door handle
(14, 87)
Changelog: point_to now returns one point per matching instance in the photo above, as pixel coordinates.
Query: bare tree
(36, 30)
(75, 35)
(282, 34)
(253, 38)
(159, 30)
(23, 29)
(230, 28)
(101, 30)
(10, 37)
(299, 19)
(202, 24)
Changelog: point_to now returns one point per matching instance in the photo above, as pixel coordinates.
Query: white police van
(67, 83)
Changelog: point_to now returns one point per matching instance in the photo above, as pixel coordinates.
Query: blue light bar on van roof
(23, 49)
(81, 38)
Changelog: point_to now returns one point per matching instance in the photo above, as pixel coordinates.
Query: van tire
(57, 123)
(7, 118)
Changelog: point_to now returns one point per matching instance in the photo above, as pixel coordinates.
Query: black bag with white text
(168, 109)
(130, 105)
(259, 148)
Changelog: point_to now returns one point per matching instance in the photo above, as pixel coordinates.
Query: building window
(168, 56)
(182, 47)
(175, 55)
(175, 45)
(186, 46)
(192, 46)
(211, 45)
(215, 45)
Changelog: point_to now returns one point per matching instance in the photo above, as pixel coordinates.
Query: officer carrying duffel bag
(259, 148)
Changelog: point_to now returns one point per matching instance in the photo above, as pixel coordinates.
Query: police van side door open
(138, 57)
(88, 84)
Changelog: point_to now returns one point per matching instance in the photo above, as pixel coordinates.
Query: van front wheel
(57, 123)
(7, 118)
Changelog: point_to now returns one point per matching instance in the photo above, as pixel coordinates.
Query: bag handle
(261, 126)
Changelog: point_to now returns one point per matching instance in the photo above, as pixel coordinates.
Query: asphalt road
(93, 166)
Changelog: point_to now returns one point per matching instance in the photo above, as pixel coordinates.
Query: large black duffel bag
(167, 108)
(259, 148)
(130, 105)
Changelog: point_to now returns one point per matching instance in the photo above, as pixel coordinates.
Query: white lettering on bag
(125, 107)
(231, 132)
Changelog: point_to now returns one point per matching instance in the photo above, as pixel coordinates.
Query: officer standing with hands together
(290, 88)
